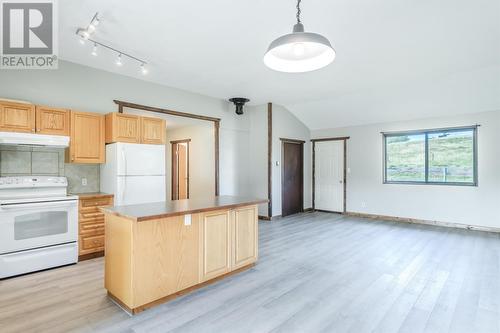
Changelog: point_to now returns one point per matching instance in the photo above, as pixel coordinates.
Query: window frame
(426, 132)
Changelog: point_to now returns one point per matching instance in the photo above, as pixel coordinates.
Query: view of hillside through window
(449, 156)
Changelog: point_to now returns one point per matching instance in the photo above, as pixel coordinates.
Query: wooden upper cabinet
(87, 138)
(17, 117)
(122, 128)
(153, 131)
(52, 121)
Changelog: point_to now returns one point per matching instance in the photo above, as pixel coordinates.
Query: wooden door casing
(180, 169)
(292, 177)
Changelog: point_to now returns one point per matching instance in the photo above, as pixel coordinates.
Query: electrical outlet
(187, 219)
(84, 181)
(363, 204)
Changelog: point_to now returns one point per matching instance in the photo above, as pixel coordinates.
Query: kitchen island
(157, 251)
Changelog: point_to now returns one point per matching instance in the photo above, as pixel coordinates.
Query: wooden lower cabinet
(216, 240)
(91, 224)
(150, 262)
(245, 234)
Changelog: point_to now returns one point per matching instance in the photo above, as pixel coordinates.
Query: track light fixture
(119, 60)
(85, 34)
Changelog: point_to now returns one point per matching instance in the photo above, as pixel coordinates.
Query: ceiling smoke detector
(239, 102)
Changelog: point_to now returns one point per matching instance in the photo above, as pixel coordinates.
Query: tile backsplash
(41, 161)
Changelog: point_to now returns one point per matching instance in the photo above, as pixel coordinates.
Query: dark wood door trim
(301, 143)
(314, 168)
(216, 121)
(331, 139)
(122, 104)
(292, 140)
(180, 141)
(175, 182)
(270, 160)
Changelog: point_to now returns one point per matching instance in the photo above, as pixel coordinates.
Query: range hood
(28, 139)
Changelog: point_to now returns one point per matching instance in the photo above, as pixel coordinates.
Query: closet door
(329, 176)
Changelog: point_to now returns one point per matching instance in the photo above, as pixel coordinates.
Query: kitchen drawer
(96, 202)
(90, 232)
(92, 214)
(92, 242)
(89, 226)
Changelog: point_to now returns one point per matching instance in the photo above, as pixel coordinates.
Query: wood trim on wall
(344, 138)
(270, 160)
(122, 104)
(216, 121)
(331, 139)
(426, 222)
(297, 142)
(217, 139)
(173, 143)
(292, 140)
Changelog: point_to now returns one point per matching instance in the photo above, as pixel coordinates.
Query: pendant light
(299, 51)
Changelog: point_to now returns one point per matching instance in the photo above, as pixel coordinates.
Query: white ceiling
(396, 59)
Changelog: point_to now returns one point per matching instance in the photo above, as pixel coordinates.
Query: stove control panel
(32, 181)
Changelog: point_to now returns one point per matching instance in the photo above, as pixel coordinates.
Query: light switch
(187, 219)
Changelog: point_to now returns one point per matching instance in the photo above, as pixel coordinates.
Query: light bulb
(91, 28)
(82, 40)
(298, 49)
(144, 69)
(96, 22)
(119, 60)
(94, 50)
(85, 34)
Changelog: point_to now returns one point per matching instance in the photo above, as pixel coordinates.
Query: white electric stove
(38, 224)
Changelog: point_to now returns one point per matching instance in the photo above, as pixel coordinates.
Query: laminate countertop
(158, 210)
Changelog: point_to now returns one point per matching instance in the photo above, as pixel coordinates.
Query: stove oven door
(25, 226)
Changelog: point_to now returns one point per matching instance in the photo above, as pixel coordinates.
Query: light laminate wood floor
(317, 272)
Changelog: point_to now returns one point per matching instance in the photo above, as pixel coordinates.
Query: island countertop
(157, 210)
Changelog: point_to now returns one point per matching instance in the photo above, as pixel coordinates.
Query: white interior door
(329, 176)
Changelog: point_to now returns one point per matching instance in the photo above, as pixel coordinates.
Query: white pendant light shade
(299, 51)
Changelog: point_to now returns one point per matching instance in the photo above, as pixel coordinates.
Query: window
(444, 157)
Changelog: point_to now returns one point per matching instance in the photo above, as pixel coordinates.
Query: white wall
(286, 125)
(88, 89)
(456, 204)
(201, 159)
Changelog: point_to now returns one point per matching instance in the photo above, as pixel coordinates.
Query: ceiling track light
(299, 51)
(119, 60)
(85, 34)
(94, 50)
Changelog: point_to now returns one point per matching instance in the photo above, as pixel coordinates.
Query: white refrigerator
(134, 173)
